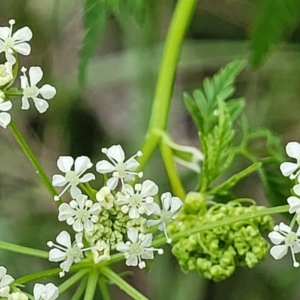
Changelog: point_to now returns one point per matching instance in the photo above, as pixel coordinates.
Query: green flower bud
(195, 203)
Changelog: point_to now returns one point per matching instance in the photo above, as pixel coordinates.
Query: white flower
(170, 205)
(14, 42)
(30, 90)
(283, 237)
(288, 168)
(81, 213)
(18, 296)
(5, 73)
(5, 117)
(101, 251)
(138, 200)
(120, 169)
(5, 281)
(45, 292)
(105, 197)
(65, 251)
(72, 178)
(137, 248)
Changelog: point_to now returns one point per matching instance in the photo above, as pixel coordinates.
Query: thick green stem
(23, 250)
(122, 284)
(91, 285)
(169, 163)
(104, 289)
(25, 147)
(164, 87)
(72, 280)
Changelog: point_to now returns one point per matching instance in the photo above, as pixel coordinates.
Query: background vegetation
(103, 59)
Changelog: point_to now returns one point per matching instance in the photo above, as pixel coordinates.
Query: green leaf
(203, 104)
(95, 17)
(273, 19)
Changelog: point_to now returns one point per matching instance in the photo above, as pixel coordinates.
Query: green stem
(166, 75)
(39, 170)
(38, 275)
(122, 284)
(23, 250)
(80, 290)
(170, 166)
(72, 280)
(103, 288)
(91, 285)
(263, 212)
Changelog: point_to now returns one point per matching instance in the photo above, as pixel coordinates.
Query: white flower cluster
(11, 292)
(12, 44)
(283, 235)
(118, 215)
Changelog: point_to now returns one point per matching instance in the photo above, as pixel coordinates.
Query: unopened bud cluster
(216, 253)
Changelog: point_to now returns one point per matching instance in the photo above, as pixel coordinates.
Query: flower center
(136, 249)
(3, 72)
(135, 200)
(31, 92)
(121, 169)
(8, 44)
(73, 252)
(290, 239)
(82, 214)
(71, 176)
(166, 216)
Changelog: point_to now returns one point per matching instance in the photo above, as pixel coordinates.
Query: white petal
(38, 291)
(65, 212)
(288, 168)
(296, 189)
(41, 105)
(151, 223)
(294, 204)
(176, 203)
(88, 225)
(132, 260)
(147, 241)
(122, 247)
(148, 254)
(166, 200)
(95, 209)
(56, 255)
(66, 265)
(285, 228)
(128, 190)
(10, 57)
(75, 191)
(278, 251)
(104, 167)
(5, 119)
(24, 81)
(23, 48)
(275, 237)
(65, 163)
(293, 149)
(78, 226)
(3, 270)
(64, 239)
(51, 291)
(112, 182)
(48, 91)
(87, 177)
(35, 75)
(132, 234)
(82, 163)
(149, 188)
(25, 103)
(116, 152)
(6, 280)
(5, 106)
(133, 213)
(132, 164)
(58, 180)
(4, 32)
(23, 34)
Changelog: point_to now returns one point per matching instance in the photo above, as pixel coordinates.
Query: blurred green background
(114, 107)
